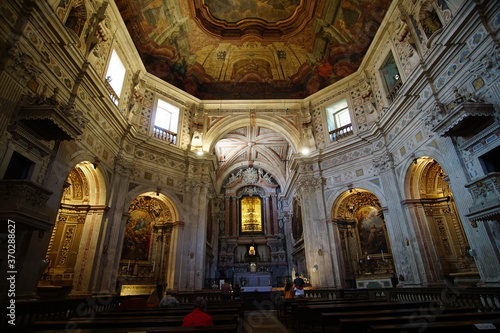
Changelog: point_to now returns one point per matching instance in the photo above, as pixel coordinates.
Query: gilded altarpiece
(146, 243)
(251, 235)
(359, 219)
(441, 227)
(66, 236)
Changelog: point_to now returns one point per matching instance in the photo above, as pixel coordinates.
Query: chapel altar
(253, 281)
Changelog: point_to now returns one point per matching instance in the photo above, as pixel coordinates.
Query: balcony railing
(165, 135)
(25, 201)
(486, 195)
(111, 92)
(394, 91)
(340, 132)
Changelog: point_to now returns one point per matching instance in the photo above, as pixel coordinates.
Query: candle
(128, 267)
(382, 254)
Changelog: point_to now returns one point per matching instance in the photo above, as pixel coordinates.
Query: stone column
(400, 231)
(228, 214)
(192, 253)
(87, 264)
(269, 219)
(114, 230)
(274, 205)
(317, 242)
(174, 264)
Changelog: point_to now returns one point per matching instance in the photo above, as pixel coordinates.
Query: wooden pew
(462, 326)
(361, 325)
(332, 319)
(106, 323)
(164, 312)
(201, 329)
(289, 307)
(300, 309)
(312, 313)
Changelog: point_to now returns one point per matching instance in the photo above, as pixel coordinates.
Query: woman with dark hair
(299, 285)
(289, 292)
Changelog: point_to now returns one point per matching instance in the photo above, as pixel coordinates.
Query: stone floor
(262, 321)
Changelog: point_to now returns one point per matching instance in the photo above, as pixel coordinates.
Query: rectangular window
(339, 120)
(391, 77)
(166, 121)
(115, 76)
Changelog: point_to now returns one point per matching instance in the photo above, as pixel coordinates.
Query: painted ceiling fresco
(252, 49)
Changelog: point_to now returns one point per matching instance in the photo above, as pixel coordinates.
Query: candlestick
(382, 254)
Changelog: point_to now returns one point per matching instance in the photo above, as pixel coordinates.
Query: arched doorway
(147, 242)
(439, 232)
(359, 220)
(82, 208)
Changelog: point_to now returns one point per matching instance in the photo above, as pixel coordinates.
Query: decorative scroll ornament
(250, 176)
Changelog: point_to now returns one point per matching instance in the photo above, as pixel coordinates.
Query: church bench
(298, 307)
(361, 325)
(106, 323)
(232, 328)
(293, 308)
(165, 312)
(312, 313)
(462, 326)
(286, 306)
(330, 319)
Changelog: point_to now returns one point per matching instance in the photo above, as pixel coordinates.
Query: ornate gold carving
(251, 216)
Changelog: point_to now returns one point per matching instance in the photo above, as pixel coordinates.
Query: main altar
(253, 281)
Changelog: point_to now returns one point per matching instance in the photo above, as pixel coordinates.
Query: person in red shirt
(198, 317)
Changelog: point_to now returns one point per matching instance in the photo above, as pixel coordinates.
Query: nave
(361, 311)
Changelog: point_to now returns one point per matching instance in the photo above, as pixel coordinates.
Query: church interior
(180, 144)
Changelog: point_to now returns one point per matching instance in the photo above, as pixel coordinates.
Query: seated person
(168, 300)
(289, 292)
(236, 291)
(198, 317)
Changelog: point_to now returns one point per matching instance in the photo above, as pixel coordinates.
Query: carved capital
(384, 163)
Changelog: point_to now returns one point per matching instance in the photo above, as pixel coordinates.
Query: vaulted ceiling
(252, 49)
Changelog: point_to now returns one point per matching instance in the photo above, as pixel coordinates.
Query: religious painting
(251, 214)
(371, 230)
(316, 44)
(238, 10)
(137, 240)
(297, 227)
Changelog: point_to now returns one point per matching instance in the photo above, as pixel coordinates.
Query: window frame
(390, 92)
(162, 133)
(335, 129)
(113, 93)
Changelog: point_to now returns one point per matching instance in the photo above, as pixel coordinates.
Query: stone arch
(81, 211)
(436, 221)
(360, 227)
(149, 238)
(224, 126)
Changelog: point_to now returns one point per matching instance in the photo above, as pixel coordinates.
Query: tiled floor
(262, 321)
